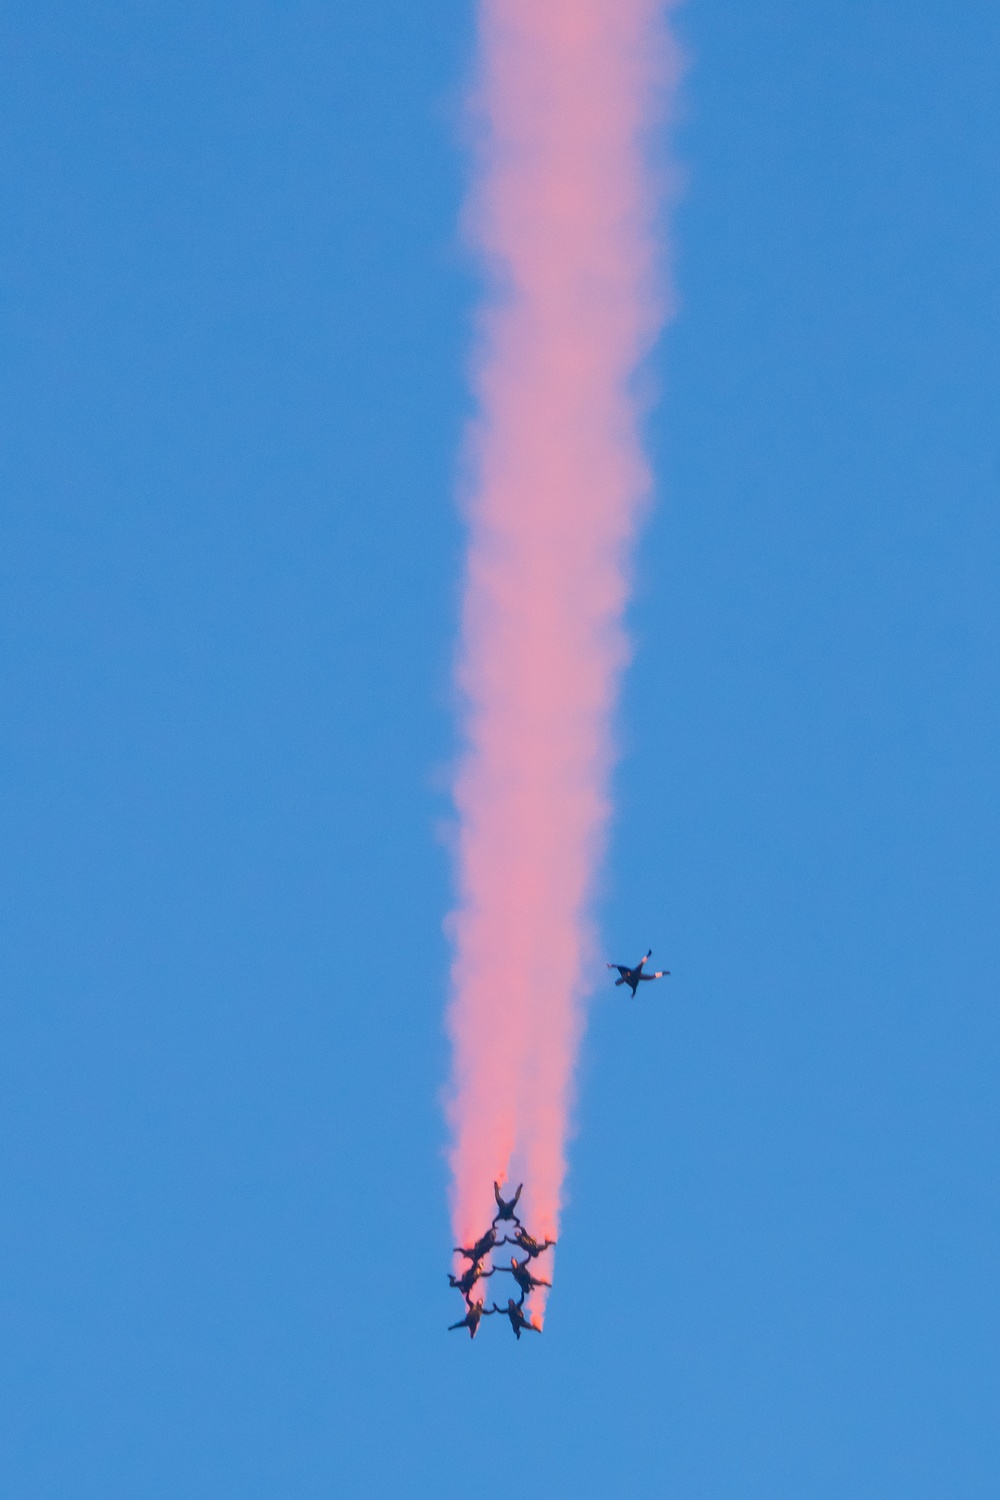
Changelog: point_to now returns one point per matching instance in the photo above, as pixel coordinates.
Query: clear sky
(235, 316)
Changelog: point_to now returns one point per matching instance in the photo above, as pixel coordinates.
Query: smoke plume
(563, 214)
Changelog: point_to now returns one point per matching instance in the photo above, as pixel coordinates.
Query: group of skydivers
(633, 976)
(519, 1269)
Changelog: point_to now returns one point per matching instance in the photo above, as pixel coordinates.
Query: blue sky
(235, 317)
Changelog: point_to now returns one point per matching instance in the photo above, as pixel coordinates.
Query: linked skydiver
(523, 1277)
(505, 1211)
(471, 1319)
(468, 1279)
(517, 1319)
(482, 1246)
(523, 1240)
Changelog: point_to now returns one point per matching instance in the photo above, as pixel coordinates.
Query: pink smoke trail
(563, 211)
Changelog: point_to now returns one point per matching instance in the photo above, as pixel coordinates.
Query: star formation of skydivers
(519, 1269)
(506, 1213)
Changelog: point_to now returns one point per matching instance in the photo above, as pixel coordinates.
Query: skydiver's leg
(618, 983)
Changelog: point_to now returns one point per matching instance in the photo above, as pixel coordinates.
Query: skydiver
(517, 1318)
(505, 1211)
(523, 1277)
(634, 977)
(471, 1319)
(523, 1240)
(482, 1246)
(468, 1279)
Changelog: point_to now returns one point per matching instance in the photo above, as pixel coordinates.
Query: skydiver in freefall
(471, 1319)
(523, 1240)
(517, 1319)
(482, 1246)
(634, 977)
(505, 1210)
(521, 1274)
(468, 1279)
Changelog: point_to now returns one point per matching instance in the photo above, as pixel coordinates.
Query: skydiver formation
(476, 1254)
(506, 1214)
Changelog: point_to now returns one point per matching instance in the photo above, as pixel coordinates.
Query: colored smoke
(563, 213)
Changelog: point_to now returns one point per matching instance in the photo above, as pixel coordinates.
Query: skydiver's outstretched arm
(660, 974)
